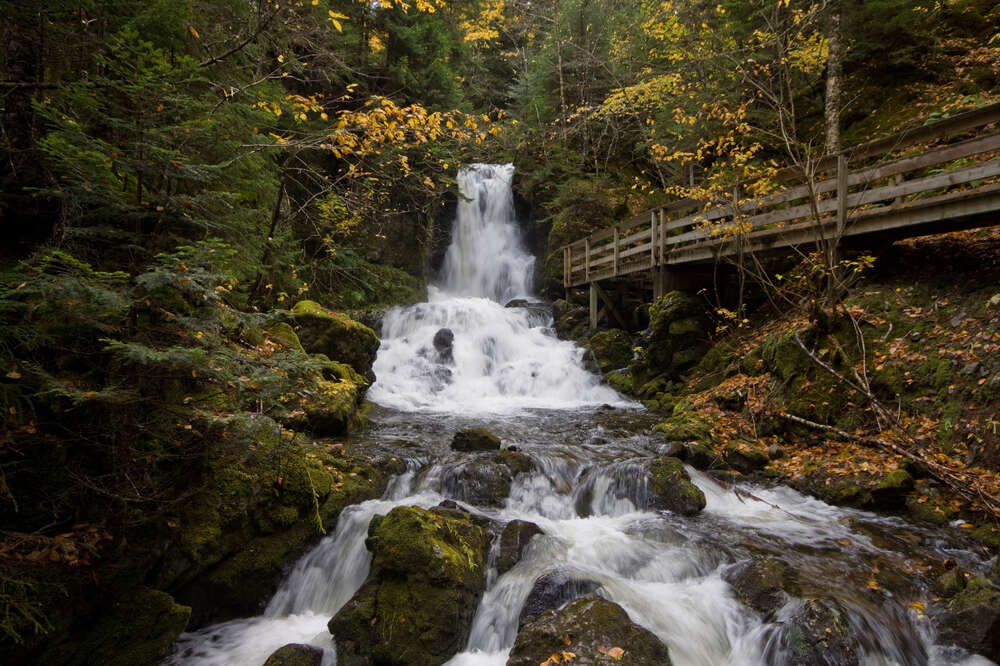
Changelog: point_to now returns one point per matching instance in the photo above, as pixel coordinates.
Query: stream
(503, 368)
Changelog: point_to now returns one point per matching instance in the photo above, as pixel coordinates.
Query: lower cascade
(575, 516)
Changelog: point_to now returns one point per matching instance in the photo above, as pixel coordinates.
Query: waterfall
(463, 351)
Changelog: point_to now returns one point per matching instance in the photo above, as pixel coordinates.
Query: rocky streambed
(584, 537)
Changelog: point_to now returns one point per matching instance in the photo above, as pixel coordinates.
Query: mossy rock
(282, 332)
(516, 461)
(138, 629)
(782, 355)
(818, 633)
(590, 628)
(972, 619)
(672, 307)
(481, 482)
(428, 573)
(763, 584)
(671, 488)
(336, 335)
(886, 491)
(925, 502)
(685, 425)
(619, 381)
(611, 349)
(296, 654)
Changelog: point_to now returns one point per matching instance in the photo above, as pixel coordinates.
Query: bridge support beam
(593, 305)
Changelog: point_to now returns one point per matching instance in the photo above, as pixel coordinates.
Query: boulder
(817, 633)
(971, 619)
(763, 584)
(481, 482)
(444, 344)
(594, 630)
(611, 350)
(551, 592)
(675, 339)
(671, 488)
(513, 540)
(475, 439)
(296, 654)
(416, 608)
(324, 331)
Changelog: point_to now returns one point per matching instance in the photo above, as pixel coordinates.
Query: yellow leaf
(194, 32)
(613, 652)
(917, 606)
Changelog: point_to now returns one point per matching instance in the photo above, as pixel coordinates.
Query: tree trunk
(834, 80)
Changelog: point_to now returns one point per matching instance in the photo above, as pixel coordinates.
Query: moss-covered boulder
(763, 584)
(610, 350)
(482, 482)
(296, 654)
(594, 630)
(676, 340)
(671, 488)
(746, 456)
(516, 536)
(333, 407)
(475, 439)
(324, 331)
(428, 573)
(886, 490)
(971, 619)
(138, 629)
(818, 633)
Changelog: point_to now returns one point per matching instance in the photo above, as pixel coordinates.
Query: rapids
(506, 371)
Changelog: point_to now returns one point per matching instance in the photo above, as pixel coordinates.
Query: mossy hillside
(428, 573)
(257, 513)
(138, 629)
(336, 335)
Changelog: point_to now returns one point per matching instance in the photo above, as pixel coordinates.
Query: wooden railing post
(842, 173)
(614, 269)
(652, 239)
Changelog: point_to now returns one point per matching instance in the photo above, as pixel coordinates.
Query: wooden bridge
(942, 176)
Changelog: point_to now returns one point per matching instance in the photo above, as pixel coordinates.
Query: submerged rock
(417, 605)
(552, 591)
(671, 488)
(763, 584)
(296, 654)
(475, 439)
(594, 630)
(513, 540)
(972, 619)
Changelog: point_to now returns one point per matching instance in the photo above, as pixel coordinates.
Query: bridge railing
(937, 164)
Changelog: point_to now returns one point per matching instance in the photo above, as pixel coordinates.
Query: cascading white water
(497, 358)
(588, 492)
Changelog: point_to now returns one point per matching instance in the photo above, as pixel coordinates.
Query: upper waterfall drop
(486, 257)
(463, 351)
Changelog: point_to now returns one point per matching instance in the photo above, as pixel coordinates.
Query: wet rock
(595, 630)
(479, 482)
(513, 540)
(700, 456)
(518, 303)
(763, 584)
(324, 331)
(671, 488)
(444, 343)
(610, 350)
(817, 633)
(417, 605)
(552, 591)
(516, 461)
(296, 654)
(972, 619)
(950, 583)
(475, 439)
